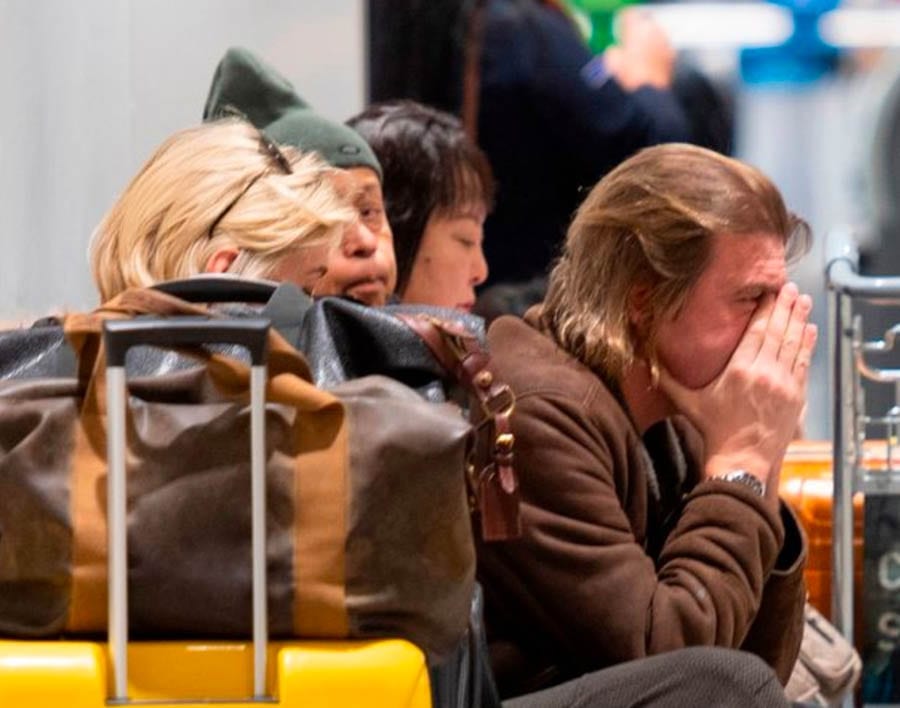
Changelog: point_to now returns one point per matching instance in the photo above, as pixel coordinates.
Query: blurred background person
(551, 117)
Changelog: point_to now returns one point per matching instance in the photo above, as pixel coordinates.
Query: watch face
(747, 479)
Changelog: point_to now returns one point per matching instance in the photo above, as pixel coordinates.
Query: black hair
(430, 168)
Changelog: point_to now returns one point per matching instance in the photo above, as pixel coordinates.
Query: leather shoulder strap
(495, 487)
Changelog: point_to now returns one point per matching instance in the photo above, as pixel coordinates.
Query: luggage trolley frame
(849, 367)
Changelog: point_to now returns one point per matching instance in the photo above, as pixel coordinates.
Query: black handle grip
(120, 335)
(219, 288)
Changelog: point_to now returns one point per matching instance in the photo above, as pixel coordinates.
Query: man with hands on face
(658, 386)
(768, 373)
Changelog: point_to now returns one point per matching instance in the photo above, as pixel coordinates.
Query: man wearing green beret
(363, 267)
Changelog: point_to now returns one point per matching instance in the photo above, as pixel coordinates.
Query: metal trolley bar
(845, 286)
(119, 336)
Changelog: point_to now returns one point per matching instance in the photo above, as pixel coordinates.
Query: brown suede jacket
(624, 553)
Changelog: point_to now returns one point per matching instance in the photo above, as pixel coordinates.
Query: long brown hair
(649, 222)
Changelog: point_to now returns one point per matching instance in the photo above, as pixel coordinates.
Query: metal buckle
(501, 402)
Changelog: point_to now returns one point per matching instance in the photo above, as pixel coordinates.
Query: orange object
(807, 485)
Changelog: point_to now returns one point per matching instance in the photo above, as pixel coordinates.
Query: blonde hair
(649, 222)
(210, 187)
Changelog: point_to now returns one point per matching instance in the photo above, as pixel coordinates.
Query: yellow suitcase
(314, 674)
(387, 673)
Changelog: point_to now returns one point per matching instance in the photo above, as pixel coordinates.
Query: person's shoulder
(556, 394)
(532, 363)
(509, 13)
(513, 340)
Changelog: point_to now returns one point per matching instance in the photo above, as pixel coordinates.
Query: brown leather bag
(368, 530)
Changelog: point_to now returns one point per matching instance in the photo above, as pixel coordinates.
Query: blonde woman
(221, 198)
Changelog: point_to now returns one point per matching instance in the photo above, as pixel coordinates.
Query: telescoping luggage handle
(219, 288)
(119, 336)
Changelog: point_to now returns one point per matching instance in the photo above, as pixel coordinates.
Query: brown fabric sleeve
(580, 568)
(777, 630)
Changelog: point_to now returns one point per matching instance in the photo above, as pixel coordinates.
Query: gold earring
(654, 374)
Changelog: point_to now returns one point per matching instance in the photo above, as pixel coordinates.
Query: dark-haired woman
(438, 189)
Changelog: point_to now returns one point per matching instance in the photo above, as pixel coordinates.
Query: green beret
(269, 101)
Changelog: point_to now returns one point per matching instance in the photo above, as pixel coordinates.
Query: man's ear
(221, 260)
(639, 306)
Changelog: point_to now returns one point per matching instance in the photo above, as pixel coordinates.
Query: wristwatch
(745, 478)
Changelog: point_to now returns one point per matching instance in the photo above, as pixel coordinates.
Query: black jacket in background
(551, 131)
(549, 125)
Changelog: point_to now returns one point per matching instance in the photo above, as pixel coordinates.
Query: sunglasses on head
(267, 146)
